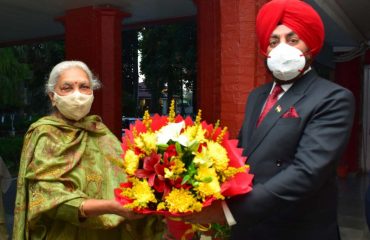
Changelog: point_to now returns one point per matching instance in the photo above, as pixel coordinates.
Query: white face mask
(286, 62)
(73, 106)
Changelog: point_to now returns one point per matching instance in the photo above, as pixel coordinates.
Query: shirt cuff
(228, 215)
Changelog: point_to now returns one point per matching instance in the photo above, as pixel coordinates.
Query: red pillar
(93, 35)
(349, 74)
(229, 63)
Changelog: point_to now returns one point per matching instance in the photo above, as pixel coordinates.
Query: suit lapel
(258, 107)
(293, 95)
(254, 115)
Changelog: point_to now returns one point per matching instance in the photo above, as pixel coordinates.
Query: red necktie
(271, 100)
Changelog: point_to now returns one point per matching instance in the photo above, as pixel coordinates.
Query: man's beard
(282, 82)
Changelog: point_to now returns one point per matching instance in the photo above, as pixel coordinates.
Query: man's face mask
(73, 106)
(286, 62)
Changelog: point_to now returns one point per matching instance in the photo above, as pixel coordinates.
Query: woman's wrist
(115, 207)
(95, 207)
(81, 211)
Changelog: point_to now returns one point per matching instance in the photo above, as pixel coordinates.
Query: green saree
(62, 164)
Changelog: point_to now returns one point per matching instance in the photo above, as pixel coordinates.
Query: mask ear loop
(303, 69)
(264, 53)
(53, 99)
(308, 53)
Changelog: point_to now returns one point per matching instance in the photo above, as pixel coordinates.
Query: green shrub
(10, 151)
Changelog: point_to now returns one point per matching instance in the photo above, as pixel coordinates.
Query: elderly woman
(66, 179)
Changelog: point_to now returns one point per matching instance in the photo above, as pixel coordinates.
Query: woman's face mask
(73, 95)
(286, 62)
(73, 106)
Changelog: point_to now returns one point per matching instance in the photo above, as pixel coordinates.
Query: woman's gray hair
(61, 67)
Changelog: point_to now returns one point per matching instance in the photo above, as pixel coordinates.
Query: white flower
(172, 132)
(183, 140)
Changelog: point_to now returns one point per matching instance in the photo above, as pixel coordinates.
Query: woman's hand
(96, 207)
(125, 212)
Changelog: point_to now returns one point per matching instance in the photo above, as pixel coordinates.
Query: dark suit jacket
(294, 161)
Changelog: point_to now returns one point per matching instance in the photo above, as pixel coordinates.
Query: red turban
(296, 15)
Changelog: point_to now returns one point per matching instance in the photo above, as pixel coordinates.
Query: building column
(93, 35)
(229, 62)
(349, 75)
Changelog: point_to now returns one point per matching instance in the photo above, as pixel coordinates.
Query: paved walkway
(352, 220)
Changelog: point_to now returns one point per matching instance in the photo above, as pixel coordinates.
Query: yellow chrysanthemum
(181, 200)
(178, 167)
(130, 162)
(208, 182)
(141, 193)
(147, 142)
(217, 153)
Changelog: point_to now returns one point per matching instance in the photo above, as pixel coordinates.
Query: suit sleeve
(322, 142)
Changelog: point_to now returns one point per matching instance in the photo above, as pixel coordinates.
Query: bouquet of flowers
(177, 166)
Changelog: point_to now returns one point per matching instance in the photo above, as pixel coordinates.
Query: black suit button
(278, 163)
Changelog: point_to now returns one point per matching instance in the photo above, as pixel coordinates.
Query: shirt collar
(287, 86)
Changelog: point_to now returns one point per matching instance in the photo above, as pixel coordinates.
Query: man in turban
(294, 132)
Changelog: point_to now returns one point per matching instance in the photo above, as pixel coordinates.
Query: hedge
(10, 151)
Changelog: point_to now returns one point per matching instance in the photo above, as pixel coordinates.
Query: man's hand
(210, 214)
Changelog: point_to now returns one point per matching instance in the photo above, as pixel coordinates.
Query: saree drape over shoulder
(62, 164)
